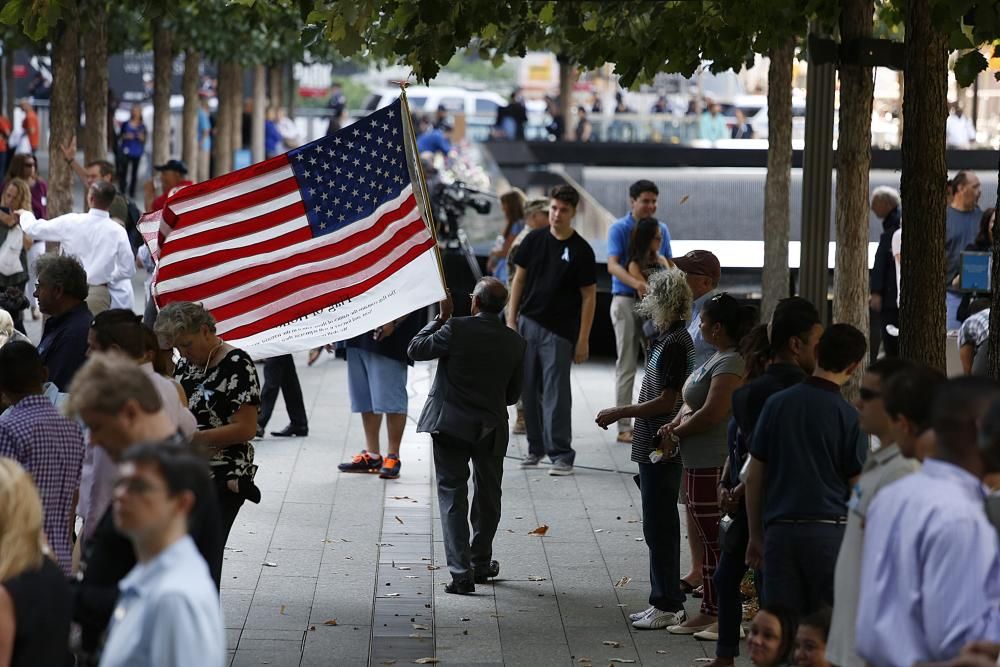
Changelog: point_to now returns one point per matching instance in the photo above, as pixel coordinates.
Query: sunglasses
(866, 394)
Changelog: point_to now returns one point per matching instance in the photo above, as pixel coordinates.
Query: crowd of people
(127, 441)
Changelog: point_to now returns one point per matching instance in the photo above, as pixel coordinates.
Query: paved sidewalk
(303, 583)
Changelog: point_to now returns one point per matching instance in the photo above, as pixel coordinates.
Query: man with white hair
(884, 299)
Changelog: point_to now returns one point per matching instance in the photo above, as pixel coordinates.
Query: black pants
(659, 484)
(229, 506)
(799, 560)
(280, 375)
(128, 163)
(451, 463)
(728, 578)
(891, 343)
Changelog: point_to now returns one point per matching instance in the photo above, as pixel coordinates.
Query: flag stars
(385, 127)
(357, 162)
(350, 174)
(326, 165)
(350, 145)
(356, 132)
(322, 225)
(300, 157)
(319, 149)
(307, 173)
(354, 193)
(395, 131)
(378, 140)
(368, 136)
(337, 140)
(340, 217)
(312, 191)
(392, 113)
(336, 201)
(324, 196)
(368, 166)
(312, 161)
(331, 183)
(331, 152)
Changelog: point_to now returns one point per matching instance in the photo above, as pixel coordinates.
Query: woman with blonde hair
(669, 362)
(35, 606)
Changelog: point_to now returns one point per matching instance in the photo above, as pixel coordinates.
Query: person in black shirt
(62, 292)
(884, 300)
(791, 352)
(807, 451)
(669, 362)
(552, 306)
(121, 407)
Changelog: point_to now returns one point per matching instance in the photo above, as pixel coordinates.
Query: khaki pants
(628, 343)
(98, 299)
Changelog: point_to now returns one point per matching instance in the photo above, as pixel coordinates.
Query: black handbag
(734, 532)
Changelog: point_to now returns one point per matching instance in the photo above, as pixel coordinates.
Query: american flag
(285, 238)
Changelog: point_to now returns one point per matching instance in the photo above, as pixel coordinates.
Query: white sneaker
(561, 468)
(639, 614)
(659, 619)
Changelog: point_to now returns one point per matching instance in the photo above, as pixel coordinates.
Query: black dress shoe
(488, 572)
(290, 431)
(460, 587)
(260, 431)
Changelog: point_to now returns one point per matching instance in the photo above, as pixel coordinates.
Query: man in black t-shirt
(552, 306)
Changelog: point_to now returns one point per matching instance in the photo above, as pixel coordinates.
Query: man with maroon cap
(703, 273)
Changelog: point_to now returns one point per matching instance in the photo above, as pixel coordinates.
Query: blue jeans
(952, 301)
(659, 484)
(799, 560)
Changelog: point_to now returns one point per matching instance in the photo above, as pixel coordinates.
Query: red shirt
(5, 128)
(162, 199)
(32, 128)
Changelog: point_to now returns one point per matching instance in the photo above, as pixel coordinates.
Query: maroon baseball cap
(700, 263)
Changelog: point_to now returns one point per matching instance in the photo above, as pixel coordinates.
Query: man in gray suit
(481, 363)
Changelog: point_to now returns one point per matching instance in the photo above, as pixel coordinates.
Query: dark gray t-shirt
(708, 449)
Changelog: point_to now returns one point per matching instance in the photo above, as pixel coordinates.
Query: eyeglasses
(866, 394)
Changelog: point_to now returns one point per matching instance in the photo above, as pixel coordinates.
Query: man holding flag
(326, 242)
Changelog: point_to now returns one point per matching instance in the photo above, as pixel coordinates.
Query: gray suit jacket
(480, 367)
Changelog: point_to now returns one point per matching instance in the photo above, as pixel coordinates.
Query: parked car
(428, 98)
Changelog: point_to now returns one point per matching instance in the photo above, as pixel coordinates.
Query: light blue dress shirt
(930, 578)
(168, 614)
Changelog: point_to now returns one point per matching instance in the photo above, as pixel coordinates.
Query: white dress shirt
(930, 576)
(100, 243)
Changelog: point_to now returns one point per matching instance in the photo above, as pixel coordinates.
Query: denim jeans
(659, 484)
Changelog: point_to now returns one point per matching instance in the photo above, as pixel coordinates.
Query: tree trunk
(567, 75)
(854, 158)
(259, 107)
(777, 183)
(162, 75)
(236, 106)
(63, 115)
(922, 309)
(291, 88)
(275, 87)
(223, 140)
(95, 87)
(189, 121)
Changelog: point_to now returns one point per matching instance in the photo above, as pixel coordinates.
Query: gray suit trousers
(451, 461)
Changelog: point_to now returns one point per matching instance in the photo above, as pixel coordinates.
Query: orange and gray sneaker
(390, 467)
(363, 462)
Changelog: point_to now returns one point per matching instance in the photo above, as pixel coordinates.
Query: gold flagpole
(421, 178)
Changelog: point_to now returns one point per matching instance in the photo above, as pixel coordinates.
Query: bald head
(489, 295)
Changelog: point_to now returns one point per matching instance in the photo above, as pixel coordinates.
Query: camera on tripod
(451, 201)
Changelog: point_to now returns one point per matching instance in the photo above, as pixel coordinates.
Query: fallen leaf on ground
(401, 498)
(403, 567)
(433, 567)
(621, 605)
(426, 661)
(348, 557)
(612, 644)
(415, 636)
(384, 544)
(633, 521)
(598, 606)
(412, 576)
(701, 659)
(598, 530)
(464, 618)
(638, 539)
(519, 517)
(623, 582)
(418, 626)
(397, 518)
(541, 530)
(534, 578)
(282, 610)
(622, 660)
(330, 621)
(661, 651)
(312, 628)
(684, 199)
(268, 563)
(392, 595)
(388, 662)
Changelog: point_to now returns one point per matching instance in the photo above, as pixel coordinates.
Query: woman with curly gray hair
(223, 393)
(669, 362)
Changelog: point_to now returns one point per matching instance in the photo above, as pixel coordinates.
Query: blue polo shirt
(619, 235)
(810, 440)
(63, 347)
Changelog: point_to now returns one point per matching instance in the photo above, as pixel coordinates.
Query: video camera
(450, 201)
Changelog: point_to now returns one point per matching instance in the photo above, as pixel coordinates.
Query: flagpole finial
(402, 83)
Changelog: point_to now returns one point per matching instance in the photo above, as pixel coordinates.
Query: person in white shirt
(959, 130)
(99, 243)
